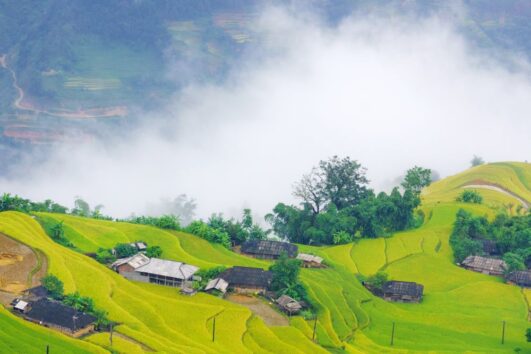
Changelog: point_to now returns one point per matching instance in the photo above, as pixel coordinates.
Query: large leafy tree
(417, 178)
(53, 285)
(285, 273)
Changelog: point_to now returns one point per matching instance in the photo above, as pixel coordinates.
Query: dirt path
(260, 308)
(494, 187)
(20, 266)
(132, 340)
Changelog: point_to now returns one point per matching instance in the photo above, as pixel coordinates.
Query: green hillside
(462, 311)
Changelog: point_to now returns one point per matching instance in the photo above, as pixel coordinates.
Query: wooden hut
(485, 265)
(310, 261)
(247, 280)
(61, 317)
(268, 249)
(521, 278)
(288, 304)
(402, 291)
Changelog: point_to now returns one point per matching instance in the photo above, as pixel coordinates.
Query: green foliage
(476, 161)
(286, 278)
(56, 231)
(208, 274)
(510, 234)
(341, 237)
(80, 303)
(124, 250)
(238, 231)
(105, 256)
(54, 286)
(514, 262)
(470, 196)
(154, 252)
(417, 178)
(9, 202)
(528, 334)
(214, 235)
(376, 281)
(170, 222)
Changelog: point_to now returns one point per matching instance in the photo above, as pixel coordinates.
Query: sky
(390, 94)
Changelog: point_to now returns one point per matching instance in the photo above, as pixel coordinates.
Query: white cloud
(389, 94)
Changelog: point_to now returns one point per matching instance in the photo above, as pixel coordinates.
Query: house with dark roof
(288, 304)
(247, 280)
(56, 315)
(268, 249)
(402, 291)
(35, 293)
(485, 265)
(521, 278)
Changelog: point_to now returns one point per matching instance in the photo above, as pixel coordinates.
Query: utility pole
(110, 338)
(393, 334)
(503, 332)
(314, 327)
(214, 329)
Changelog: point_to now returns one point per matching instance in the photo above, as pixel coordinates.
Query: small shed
(268, 249)
(310, 261)
(288, 304)
(217, 284)
(247, 280)
(402, 291)
(21, 306)
(485, 265)
(521, 278)
(61, 317)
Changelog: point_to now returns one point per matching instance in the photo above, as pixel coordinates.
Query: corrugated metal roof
(135, 261)
(309, 258)
(21, 305)
(168, 268)
(217, 283)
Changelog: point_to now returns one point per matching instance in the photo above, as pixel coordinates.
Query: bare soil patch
(495, 187)
(20, 266)
(260, 308)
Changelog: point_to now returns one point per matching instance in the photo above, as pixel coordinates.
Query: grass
(461, 310)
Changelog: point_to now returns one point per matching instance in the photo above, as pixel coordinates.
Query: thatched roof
(403, 288)
(245, 276)
(55, 313)
(485, 264)
(521, 277)
(269, 248)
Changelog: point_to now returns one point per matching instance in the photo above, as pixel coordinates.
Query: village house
(402, 291)
(521, 278)
(153, 270)
(140, 246)
(56, 315)
(268, 249)
(288, 304)
(310, 261)
(485, 265)
(217, 284)
(247, 280)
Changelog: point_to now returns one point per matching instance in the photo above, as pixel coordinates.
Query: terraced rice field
(462, 311)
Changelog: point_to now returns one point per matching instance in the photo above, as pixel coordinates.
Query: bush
(214, 235)
(208, 274)
(80, 303)
(54, 286)
(124, 250)
(105, 256)
(377, 281)
(154, 251)
(470, 196)
(528, 334)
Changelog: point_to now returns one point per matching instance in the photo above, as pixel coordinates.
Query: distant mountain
(69, 66)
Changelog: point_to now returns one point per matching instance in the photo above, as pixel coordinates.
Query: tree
(53, 285)
(341, 237)
(528, 334)
(476, 161)
(57, 231)
(285, 272)
(344, 182)
(81, 207)
(105, 256)
(80, 303)
(470, 196)
(124, 250)
(377, 281)
(311, 190)
(154, 251)
(514, 262)
(417, 178)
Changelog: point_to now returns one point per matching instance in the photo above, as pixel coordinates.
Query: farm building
(153, 270)
(485, 265)
(268, 249)
(20, 306)
(288, 304)
(35, 293)
(247, 280)
(520, 278)
(217, 284)
(61, 317)
(402, 291)
(310, 261)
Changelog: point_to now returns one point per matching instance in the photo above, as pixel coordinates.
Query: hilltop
(461, 311)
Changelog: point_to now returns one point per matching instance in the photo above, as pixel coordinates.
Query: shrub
(214, 235)
(377, 281)
(125, 250)
(528, 334)
(470, 196)
(154, 252)
(80, 303)
(54, 286)
(105, 256)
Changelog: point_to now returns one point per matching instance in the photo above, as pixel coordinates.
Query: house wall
(67, 331)
(136, 277)
(261, 256)
(401, 298)
(247, 290)
(124, 268)
(484, 271)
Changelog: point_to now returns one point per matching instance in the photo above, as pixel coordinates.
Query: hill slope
(461, 311)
